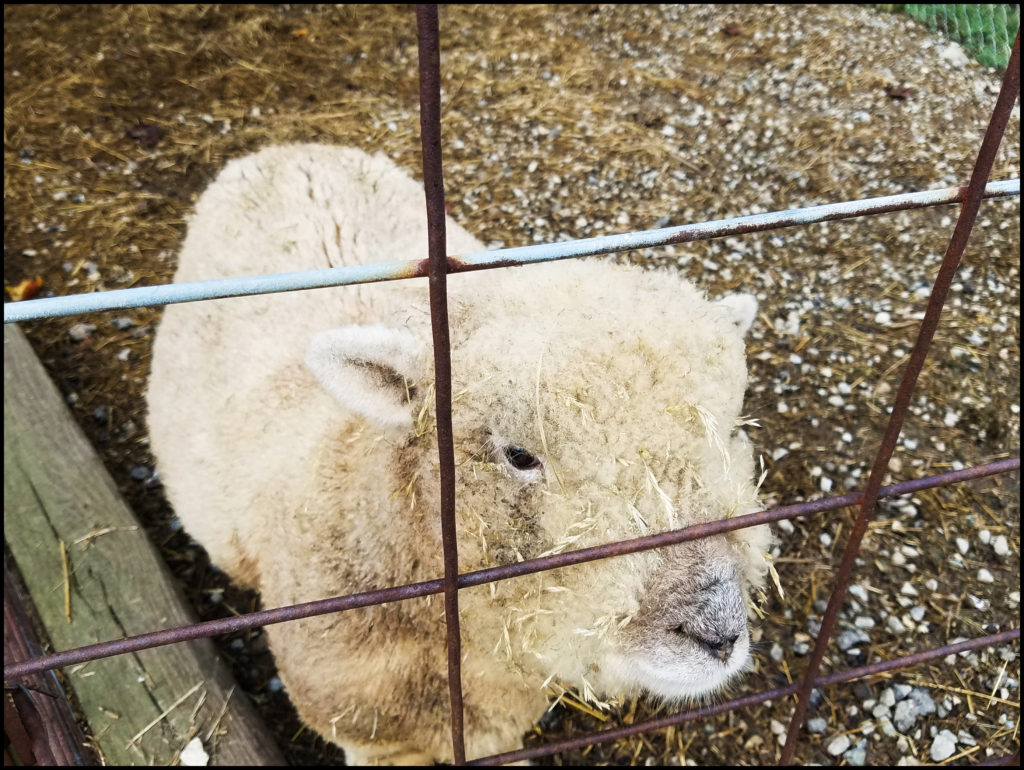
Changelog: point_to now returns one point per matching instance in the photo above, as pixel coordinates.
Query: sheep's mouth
(683, 666)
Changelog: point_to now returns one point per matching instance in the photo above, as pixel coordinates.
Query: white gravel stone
(857, 755)
(985, 576)
(839, 744)
(1001, 546)
(81, 331)
(193, 755)
(943, 746)
(817, 725)
(957, 56)
(850, 638)
(886, 726)
(964, 738)
(978, 602)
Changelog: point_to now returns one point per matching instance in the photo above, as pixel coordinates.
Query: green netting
(985, 30)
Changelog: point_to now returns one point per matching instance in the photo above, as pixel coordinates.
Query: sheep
(593, 402)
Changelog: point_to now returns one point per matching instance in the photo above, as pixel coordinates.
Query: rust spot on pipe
(456, 265)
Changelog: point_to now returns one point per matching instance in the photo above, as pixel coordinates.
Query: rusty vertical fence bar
(950, 262)
(433, 184)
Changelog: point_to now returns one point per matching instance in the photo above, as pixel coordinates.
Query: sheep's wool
(592, 402)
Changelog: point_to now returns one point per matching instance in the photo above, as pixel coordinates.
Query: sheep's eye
(520, 459)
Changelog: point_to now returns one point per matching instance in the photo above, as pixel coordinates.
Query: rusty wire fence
(435, 268)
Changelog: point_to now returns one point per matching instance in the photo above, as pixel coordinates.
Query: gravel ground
(564, 122)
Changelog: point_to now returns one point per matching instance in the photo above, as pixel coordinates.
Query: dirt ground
(564, 122)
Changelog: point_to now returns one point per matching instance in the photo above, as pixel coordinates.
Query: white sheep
(592, 402)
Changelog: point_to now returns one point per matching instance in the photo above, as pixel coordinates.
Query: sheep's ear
(369, 369)
(742, 310)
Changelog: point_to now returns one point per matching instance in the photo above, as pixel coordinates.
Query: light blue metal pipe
(119, 299)
(166, 294)
(736, 225)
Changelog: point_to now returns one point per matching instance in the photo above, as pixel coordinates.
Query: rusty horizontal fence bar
(1013, 760)
(908, 383)
(166, 294)
(491, 574)
(748, 700)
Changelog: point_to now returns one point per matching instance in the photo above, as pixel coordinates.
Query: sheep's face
(603, 421)
(601, 424)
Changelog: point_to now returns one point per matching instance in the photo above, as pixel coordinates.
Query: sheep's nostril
(720, 648)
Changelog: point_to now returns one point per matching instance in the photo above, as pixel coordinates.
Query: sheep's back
(229, 394)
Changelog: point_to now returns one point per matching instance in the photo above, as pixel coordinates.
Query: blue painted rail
(119, 299)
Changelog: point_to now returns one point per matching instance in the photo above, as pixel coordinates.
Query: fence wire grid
(439, 264)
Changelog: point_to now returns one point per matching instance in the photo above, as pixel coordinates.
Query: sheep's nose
(720, 648)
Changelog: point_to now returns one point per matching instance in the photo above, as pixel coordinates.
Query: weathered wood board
(40, 725)
(56, 491)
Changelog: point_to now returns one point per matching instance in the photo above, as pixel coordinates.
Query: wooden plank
(40, 727)
(57, 492)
